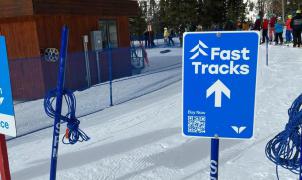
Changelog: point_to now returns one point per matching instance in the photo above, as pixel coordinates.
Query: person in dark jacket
(229, 26)
(296, 24)
(257, 25)
(151, 38)
(171, 35)
(146, 38)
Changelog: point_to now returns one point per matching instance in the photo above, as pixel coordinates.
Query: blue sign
(7, 114)
(219, 84)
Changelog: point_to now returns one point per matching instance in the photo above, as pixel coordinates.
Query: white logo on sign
(197, 50)
(239, 130)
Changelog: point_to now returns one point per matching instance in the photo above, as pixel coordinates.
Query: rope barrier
(73, 133)
(285, 148)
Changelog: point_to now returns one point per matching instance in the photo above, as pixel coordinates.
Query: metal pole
(214, 159)
(266, 51)
(110, 73)
(98, 66)
(60, 87)
(88, 77)
(4, 168)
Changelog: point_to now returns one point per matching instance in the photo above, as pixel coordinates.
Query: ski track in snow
(140, 137)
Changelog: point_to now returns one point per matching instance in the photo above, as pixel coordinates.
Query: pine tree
(138, 24)
(174, 13)
(235, 10)
(200, 11)
(260, 7)
(163, 14)
(214, 13)
(154, 18)
(190, 13)
(275, 7)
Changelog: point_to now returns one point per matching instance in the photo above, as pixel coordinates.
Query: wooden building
(30, 26)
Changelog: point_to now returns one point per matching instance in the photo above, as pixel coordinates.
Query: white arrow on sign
(1, 100)
(218, 88)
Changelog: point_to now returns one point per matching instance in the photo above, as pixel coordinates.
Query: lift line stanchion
(110, 73)
(60, 87)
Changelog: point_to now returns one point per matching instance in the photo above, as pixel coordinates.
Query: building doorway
(109, 31)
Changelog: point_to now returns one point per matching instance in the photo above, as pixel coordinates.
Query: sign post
(266, 51)
(219, 84)
(214, 158)
(7, 114)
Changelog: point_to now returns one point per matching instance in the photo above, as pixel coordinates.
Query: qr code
(197, 124)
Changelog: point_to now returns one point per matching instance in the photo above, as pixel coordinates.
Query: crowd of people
(149, 39)
(168, 35)
(273, 29)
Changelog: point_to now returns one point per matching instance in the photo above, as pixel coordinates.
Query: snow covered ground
(140, 137)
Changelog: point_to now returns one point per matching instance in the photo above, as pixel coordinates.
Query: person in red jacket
(272, 23)
(264, 30)
(289, 29)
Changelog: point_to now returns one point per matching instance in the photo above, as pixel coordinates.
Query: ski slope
(140, 137)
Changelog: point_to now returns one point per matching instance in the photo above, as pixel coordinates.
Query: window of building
(109, 30)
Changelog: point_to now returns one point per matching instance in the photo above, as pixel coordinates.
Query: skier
(199, 28)
(289, 29)
(245, 26)
(229, 26)
(171, 35)
(181, 31)
(146, 38)
(264, 30)
(257, 25)
(239, 26)
(296, 24)
(151, 38)
(272, 27)
(279, 31)
(166, 35)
